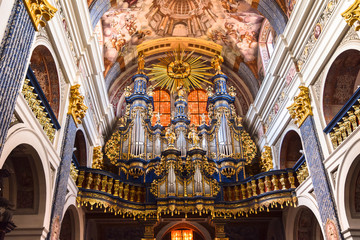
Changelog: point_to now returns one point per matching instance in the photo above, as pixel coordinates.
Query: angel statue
(194, 136)
(170, 136)
(216, 63)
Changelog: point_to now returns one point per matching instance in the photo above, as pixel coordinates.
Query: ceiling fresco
(235, 25)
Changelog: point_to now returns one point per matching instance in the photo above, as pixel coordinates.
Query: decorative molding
(39, 10)
(77, 108)
(352, 15)
(301, 108)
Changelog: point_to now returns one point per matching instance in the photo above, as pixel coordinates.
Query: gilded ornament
(39, 10)
(112, 147)
(170, 136)
(194, 136)
(352, 15)
(97, 158)
(216, 64)
(77, 108)
(301, 108)
(127, 92)
(249, 146)
(232, 92)
(266, 159)
(73, 172)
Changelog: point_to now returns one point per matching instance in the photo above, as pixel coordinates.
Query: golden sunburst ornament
(179, 69)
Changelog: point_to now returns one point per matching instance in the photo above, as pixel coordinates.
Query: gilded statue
(216, 64)
(141, 63)
(180, 90)
(193, 136)
(170, 136)
(150, 91)
(77, 108)
(301, 108)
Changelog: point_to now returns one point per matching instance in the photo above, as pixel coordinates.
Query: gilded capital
(77, 108)
(39, 10)
(301, 108)
(352, 15)
(266, 159)
(97, 158)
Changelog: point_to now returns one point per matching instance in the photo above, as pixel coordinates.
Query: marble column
(301, 111)
(14, 55)
(62, 177)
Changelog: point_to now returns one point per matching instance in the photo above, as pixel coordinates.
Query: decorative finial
(216, 64)
(77, 108)
(301, 108)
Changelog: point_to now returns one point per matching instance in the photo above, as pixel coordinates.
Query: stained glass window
(162, 105)
(197, 101)
(182, 235)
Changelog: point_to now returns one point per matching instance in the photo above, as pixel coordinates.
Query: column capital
(301, 108)
(39, 11)
(352, 15)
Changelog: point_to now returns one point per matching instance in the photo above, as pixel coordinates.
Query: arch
(290, 150)
(306, 225)
(341, 82)
(181, 224)
(33, 216)
(77, 214)
(347, 175)
(80, 151)
(273, 12)
(43, 64)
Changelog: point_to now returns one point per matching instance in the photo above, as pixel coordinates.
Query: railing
(39, 105)
(345, 121)
(104, 182)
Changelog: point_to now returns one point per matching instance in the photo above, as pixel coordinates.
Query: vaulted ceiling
(125, 26)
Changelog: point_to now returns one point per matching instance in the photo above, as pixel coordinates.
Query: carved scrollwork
(39, 10)
(352, 15)
(266, 159)
(301, 108)
(77, 108)
(112, 147)
(98, 158)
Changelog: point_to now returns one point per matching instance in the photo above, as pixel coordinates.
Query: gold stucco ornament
(77, 108)
(352, 15)
(97, 158)
(39, 10)
(266, 159)
(301, 108)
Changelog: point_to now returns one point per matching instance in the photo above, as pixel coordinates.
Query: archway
(168, 232)
(306, 225)
(25, 189)
(341, 82)
(80, 148)
(68, 226)
(44, 67)
(290, 151)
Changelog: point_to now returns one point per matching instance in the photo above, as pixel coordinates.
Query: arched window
(197, 101)
(162, 105)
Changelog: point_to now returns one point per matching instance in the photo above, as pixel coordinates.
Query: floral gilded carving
(301, 108)
(77, 108)
(39, 10)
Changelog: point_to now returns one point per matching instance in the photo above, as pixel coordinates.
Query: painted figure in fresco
(193, 136)
(216, 63)
(170, 136)
(118, 42)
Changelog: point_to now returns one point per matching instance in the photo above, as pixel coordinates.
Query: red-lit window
(197, 101)
(162, 105)
(182, 235)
